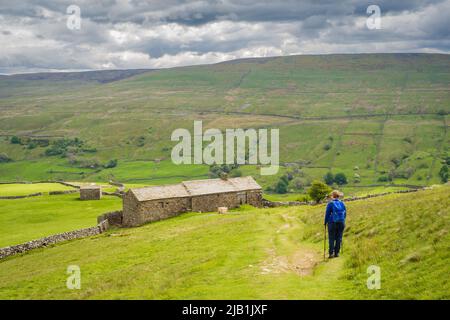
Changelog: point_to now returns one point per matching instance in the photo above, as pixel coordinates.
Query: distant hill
(375, 117)
(101, 76)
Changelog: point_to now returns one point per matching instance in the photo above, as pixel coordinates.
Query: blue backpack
(338, 213)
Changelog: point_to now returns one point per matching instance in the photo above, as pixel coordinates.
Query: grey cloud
(164, 33)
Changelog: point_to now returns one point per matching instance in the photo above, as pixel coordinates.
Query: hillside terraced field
(377, 112)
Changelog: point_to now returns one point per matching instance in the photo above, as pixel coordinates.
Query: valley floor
(252, 254)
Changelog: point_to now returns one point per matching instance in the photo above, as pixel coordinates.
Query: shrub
(340, 179)
(318, 191)
(384, 178)
(329, 178)
(443, 173)
(396, 161)
(285, 179)
(327, 147)
(32, 145)
(61, 146)
(281, 187)
(216, 170)
(15, 140)
(402, 174)
(303, 198)
(111, 164)
(140, 141)
(289, 176)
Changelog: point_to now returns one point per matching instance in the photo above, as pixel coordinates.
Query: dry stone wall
(43, 242)
(255, 198)
(22, 197)
(58, 192)
(273, 204)
(68, 184)
(114, 218)
(117, 194)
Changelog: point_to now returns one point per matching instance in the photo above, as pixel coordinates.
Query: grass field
(252, 254)
(32, 218)
(25, 189)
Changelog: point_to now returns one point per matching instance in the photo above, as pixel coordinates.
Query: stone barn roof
(195, 188)
(245, 183)
(208, 186)
(160, 192)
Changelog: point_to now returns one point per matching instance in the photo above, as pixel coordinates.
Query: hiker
(335, 215)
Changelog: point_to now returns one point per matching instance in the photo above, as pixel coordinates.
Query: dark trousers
(335, 231)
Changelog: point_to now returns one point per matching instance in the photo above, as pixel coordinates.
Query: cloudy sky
(119, 34)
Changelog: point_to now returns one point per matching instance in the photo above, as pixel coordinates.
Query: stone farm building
(149, 204)
(90, 192)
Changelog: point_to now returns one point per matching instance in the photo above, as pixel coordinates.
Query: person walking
(335, 215)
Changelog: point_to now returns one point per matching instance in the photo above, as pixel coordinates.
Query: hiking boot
(336, 255)
(330, 256)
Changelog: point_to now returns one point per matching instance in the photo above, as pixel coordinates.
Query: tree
(282, 185)
(384, 178)
(15, 140)
(32, 144)
(340, 179)
(443, 173)
(111, 164)
(329, 178)
(318, 191)
(285, 179)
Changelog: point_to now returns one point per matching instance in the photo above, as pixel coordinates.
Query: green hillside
(385, 114)
(252, 254)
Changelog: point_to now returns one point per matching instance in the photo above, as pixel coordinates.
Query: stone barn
(150, 204)
(90, 192)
